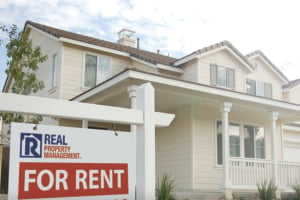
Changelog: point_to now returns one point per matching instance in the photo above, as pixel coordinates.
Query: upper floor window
(97, 69)
(259, 88)
(222, 76)
(54, 65)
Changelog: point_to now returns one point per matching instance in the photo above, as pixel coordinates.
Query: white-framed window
(259, 88)
(97, 68)
(244, 139)
(222, 76)
(53, 73)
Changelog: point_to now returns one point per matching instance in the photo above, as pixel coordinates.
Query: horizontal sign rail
(76, 110)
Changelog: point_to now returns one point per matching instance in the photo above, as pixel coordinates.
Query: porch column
(273, 116)
(226, 184)
(132, 95)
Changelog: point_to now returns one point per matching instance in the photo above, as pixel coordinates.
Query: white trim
(62, 62)
(193, 158)
(42, 32)
(263, 102)
(225, 94)
(102, 87)
(173, 69)
(92, 46)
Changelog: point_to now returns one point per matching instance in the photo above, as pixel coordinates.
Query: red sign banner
(51, 180)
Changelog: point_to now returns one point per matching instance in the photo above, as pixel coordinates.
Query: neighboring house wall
(291, 148)
(173, 149)
(294, 94)
(286, 96)
(265, 74)
(226, 59)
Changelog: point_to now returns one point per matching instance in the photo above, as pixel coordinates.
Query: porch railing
(288, 174)
(247, 173)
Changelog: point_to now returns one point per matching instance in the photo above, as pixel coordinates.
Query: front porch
(245, 174)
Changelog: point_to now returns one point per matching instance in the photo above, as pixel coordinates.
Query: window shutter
(230, 78)
(252, 87)
(268, 90)
(213, 74)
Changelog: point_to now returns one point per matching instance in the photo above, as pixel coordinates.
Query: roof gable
(213, 49)
(268, 63)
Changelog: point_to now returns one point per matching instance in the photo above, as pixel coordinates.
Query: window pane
(221, 76)
(53, 82)
(219, 143)
(234, 139)
(259, 142)
(213, 74)
(249, 141)
(231, 78)
(90, 70)
(252, 87)
(268, 90)
(260, 88)
(103, 71)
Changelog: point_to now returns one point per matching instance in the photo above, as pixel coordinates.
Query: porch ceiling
(169, 97)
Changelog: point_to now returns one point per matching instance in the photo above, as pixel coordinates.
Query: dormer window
(259, 88)
(96, 70)
(222, 76)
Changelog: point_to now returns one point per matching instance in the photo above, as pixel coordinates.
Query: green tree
(22, 65)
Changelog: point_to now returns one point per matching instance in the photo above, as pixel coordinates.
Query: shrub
(267, 191)
(164, 188)
(296, 188)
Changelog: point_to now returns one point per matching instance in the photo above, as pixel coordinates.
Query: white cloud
(177, 27)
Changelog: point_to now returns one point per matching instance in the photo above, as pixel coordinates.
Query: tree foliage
(22, 65)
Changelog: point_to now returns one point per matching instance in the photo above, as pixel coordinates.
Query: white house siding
(226, 59)
(49, 46)
(191, 71)
(74, 69)
(207, 175)
(264, 73)
(173, 149)
(294, 95)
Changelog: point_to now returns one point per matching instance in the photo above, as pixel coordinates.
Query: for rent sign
(57, 162)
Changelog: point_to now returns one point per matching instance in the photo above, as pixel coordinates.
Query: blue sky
(175, 27)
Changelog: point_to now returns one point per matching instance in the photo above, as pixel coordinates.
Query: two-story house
(236, 114)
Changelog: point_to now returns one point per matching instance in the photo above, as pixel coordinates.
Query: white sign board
(50, 162)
